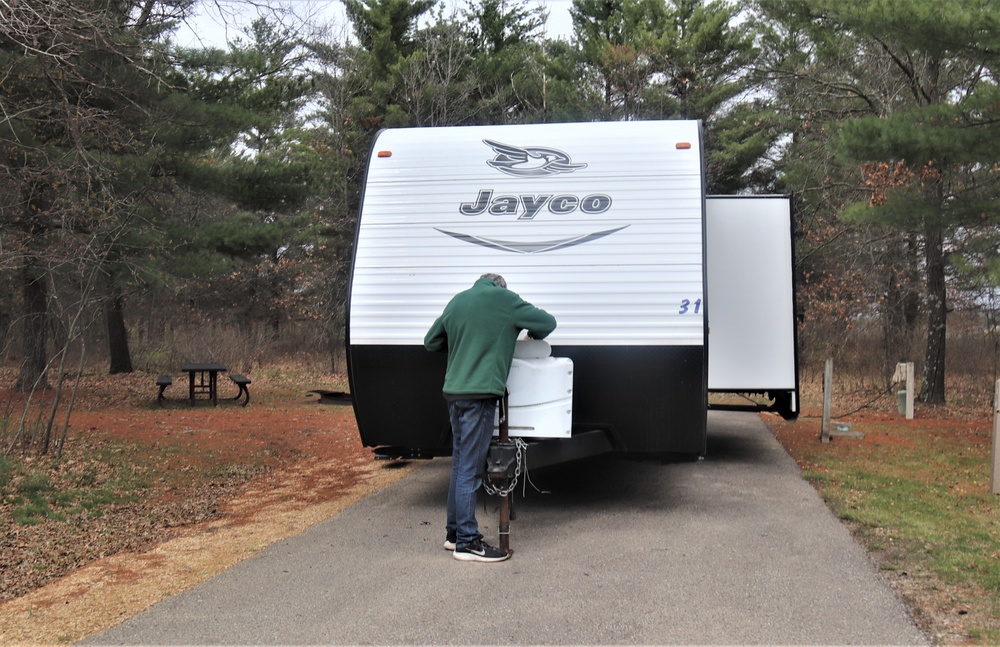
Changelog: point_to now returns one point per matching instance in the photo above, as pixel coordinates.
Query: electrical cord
(848, 413)
(866, 404)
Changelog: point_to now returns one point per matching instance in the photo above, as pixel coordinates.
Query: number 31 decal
(686, 306)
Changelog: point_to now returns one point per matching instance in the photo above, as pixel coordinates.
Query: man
(478, 328)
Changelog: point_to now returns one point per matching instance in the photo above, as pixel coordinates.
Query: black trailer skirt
(652, 399)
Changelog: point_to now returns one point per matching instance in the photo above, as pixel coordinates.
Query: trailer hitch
(501, 463)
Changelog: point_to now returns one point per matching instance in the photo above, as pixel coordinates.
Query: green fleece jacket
(478, 328)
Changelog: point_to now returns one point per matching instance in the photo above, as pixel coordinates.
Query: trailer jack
(503, 464)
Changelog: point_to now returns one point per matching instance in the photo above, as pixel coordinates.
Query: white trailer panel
(602, 228)
(752, 337)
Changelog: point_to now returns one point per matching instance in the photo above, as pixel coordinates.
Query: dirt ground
(227, 482)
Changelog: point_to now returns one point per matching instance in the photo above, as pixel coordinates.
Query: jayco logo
(532, 162)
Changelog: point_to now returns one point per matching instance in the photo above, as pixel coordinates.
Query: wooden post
(909, 390)
(824, 432)
(904, 373)
(995, 472)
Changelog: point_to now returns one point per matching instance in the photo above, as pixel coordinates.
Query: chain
(500, 491)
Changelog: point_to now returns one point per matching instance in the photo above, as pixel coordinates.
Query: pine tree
(927, 120)
(683, 59)
(702, 59)
(504, 36)
(81, 91)
(254, 159)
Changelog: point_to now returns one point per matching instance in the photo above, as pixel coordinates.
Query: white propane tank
(541, 393)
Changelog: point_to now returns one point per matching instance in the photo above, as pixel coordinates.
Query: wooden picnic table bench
(203, 383)
(242, 381)
(163, 381)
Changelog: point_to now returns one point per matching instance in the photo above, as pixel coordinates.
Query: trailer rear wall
(601, 224)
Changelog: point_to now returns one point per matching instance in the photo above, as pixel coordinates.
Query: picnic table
(203, 379)
(203, 383)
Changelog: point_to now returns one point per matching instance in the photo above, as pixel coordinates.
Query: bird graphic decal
(533, 161)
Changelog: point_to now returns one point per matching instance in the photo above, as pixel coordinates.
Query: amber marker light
(385, 153)
(683, 146)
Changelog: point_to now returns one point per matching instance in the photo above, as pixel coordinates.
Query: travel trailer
(661, 293)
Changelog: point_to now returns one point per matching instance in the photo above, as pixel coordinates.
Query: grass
(917, 495)
(31, 496)
(82, 483)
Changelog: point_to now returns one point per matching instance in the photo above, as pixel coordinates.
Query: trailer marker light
(683, 146)
(385, 153)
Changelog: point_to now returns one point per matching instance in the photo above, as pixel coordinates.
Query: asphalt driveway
(736, 549)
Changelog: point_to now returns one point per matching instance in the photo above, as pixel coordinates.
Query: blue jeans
(472, 429)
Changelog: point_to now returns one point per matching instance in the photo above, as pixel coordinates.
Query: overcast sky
(219, 21)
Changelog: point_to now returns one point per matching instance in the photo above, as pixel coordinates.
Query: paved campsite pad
(736, 549)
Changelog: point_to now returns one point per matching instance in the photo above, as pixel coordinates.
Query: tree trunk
(932, 386)
(6, 325)
(911, 311)
(34, 329)
(900, 315)
(121, 358)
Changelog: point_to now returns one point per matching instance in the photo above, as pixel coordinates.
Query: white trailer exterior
(751, 283)
(601, 224)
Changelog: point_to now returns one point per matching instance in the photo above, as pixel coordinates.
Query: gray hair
(496, 279)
